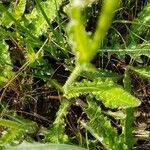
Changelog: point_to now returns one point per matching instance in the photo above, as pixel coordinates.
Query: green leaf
(5, 62)
(141, 26)
(36, 18)
(19, 9)
(36, 146)
(134, 51)
(16, 9)
(3, 79)
(100, 73)
(17, 129)
(100, 127)
(93, 73)
(9, 136)
(111, 94)
(139, 49)
(56, 132)
(143, 72)
(138, 32)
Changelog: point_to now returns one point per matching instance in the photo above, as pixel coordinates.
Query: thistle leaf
(36, 18)
(100, 127)
(56, 133)
(16, 130)
(143, 72)
(111, 94)
(9, 136)
(141, 26)
(16, 9)
(5, 62)
(100, 73)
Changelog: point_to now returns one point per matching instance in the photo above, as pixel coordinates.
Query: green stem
(104, 22)
(129, 119)
(72, 77)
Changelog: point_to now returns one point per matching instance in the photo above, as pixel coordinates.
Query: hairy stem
(75, 73)
(104, 22)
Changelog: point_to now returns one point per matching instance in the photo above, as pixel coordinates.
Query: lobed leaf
(16, 130)
(9, 136)
(16, 9)
(5, 62)
(56, 134)
(141, 26)
(36, 18)
(100, 127)
(143, 72)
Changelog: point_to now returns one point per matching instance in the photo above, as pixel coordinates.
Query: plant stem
(104, 22)
(129, 119)
(75, 73)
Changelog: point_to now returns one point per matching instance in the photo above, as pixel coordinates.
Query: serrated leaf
(141, 26)
(134, 51)
(36, 18)
(139, 49)
(36, 146)
(5, 62)
(100, 127)
(96, 73)
(56, 134)
(17, 129)
(100, 73)
(111, 94)
(139, 31)
(16, 9)
(143, 72)
(40, 66)
(8, 136)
